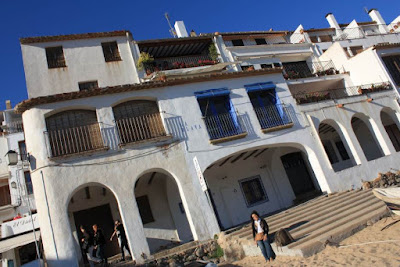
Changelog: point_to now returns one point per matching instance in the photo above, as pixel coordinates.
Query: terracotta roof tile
(29, 103)
(386, 46)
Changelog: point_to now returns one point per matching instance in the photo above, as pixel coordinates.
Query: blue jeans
(266, 249)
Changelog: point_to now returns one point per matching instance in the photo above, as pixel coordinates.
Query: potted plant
(144, 59)
(162, 77)
(213, 53)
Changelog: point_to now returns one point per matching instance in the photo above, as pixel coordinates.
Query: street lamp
(12, 157)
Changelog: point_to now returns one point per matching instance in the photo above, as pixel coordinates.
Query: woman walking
(260, 235)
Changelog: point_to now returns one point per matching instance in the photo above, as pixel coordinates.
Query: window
(393, 65)
(238, 42)
(253, 191)
(314, 39)
(88, 85)
(266, 66)
(356, 49)
(325, 38)
(330, 152)
(28, 183)
(260, 41)
(110, 51)
(55, 57)
(22, 150)
(144, 209)
(342, 150)
(247, 67)
(5, 197)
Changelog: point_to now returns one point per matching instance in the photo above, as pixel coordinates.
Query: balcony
(224, 127)
(274, 118)
(75, 140)
(303, 69)
(14, 127)
(138, 129)
(332, 94)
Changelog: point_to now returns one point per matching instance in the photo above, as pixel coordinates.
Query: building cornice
(32, 102)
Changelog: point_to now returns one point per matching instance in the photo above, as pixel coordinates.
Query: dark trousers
(100, 252)
(266, 249)
(124, 244)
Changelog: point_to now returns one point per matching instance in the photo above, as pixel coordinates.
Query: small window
(88, 85)
(356, 49)
(238, 42)
(55, 57)
(28, 183)
(330, 152)
(342, 150)
(253, 191)
(111, 52)
(314, 39)
(260, 41)
(325, 38)
(266, 66)
(144, 209)
(22, 150)
(247, 67)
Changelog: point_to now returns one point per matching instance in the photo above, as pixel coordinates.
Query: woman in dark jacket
(260, 236)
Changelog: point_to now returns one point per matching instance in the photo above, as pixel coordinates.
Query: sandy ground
(376, 255)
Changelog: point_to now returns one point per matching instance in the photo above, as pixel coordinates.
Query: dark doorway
(101, 216)
(298, 174)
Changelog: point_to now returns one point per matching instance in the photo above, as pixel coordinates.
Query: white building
(191, 144)
(17, 243)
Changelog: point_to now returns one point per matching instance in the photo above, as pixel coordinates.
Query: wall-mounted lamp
(12, 157)
(14, 185)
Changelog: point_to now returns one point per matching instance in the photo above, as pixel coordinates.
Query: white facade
(338, 122)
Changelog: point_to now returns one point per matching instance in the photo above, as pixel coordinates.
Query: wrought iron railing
(75, 140)
(273, 116)
(172, 63)
(140, 128)
(298, 70)
(317, 96)
(14, 127)
(224, 125)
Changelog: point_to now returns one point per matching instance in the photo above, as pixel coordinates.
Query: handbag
(259, 237)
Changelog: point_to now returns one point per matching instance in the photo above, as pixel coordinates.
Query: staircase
(326, 218)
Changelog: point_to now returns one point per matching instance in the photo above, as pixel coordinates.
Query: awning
(212, 93)
(18, 241)
(260, 86)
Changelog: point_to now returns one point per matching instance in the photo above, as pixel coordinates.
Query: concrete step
(291, 218)
(174, 250)
(322, 216)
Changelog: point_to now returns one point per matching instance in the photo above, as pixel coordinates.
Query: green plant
(212, 52)
(143, 59)
(215, 237)
(218, 253)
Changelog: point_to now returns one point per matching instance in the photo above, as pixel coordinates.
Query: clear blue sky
(145, 19)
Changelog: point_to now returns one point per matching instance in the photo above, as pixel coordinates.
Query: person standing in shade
(119, 231)
(260, 235)
(99, 242)
(87, 246)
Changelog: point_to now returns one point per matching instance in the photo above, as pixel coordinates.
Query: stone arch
(94, 203)
(363, 128)
(165, 214)
(391, 124)
(335, 145)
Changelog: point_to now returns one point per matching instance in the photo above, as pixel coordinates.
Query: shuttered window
(393, 65)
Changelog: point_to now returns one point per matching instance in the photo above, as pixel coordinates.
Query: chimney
(180, 29)
(332, 21)
(193, 33)
(376, 16)
(8, 104)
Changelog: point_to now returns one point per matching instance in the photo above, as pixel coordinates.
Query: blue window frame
(218, 113)
(267, 105)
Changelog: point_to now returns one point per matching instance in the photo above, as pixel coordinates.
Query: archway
(336, 148)
(94, 204)
(388, 118)
(265, 179)
(363, 130)
(162, 211)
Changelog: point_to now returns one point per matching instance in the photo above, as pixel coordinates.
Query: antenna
(171, 29)
(366, 9)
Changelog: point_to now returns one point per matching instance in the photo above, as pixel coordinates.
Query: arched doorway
(388, 118)
(363, 130)
(94, 204)
(335, 147)
(260, 178)
(162, 211)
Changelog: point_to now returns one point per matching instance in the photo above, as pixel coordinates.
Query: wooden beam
(262, 151)
(251, 154)
(238, 157)
(225, 161)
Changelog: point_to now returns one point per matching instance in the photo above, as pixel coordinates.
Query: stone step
(318, 218)
(347, 216)
(296, 216)
(175, 250)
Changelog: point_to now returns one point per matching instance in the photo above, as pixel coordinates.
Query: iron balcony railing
(298, 70)
(224, 125)
(317, 96)
(14, 127)
(172, 63)
(75, 140)
(140, 128)
(273, 116)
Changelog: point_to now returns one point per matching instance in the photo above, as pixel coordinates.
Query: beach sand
(375, 255)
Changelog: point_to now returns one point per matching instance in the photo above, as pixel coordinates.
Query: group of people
(93, 243)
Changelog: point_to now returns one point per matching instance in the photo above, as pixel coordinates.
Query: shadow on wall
(248, 126)
(110, 137)
(176, 127)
